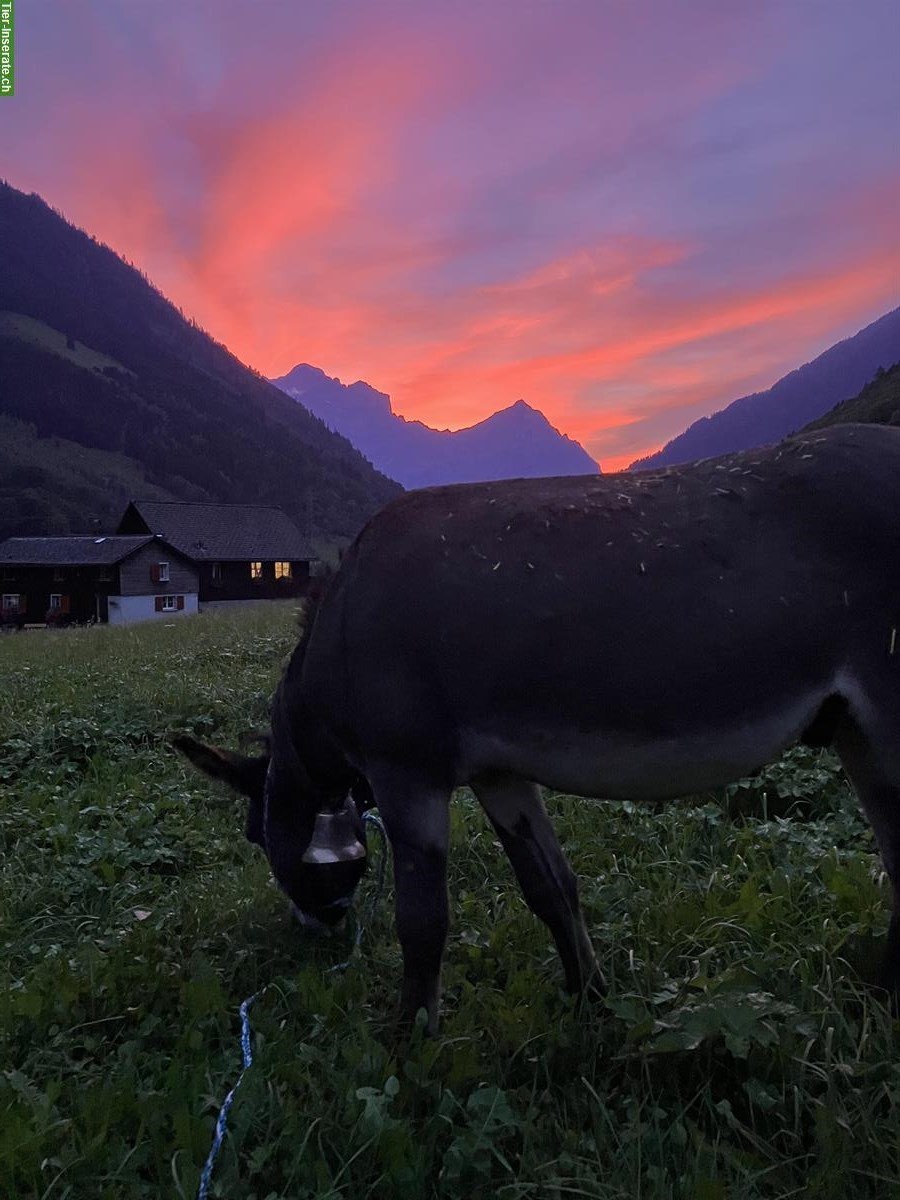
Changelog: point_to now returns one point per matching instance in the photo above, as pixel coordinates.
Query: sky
(626, 213)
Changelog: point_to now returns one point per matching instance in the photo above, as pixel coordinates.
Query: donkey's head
(314, 840)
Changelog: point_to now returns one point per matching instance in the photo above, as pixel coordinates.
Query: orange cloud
(611, 371)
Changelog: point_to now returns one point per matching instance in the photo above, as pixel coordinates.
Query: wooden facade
(139, 575)
(67, 581)
(240, 581)
(55, 595)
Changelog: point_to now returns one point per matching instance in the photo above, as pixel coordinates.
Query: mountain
(878, 403)
(107, 391)
(792, 402)
(517, 441)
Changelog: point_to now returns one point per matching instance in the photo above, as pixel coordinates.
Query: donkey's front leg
(416, 816)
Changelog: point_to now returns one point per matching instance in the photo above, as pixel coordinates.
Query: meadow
(742, 1051)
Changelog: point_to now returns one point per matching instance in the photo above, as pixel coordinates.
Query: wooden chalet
(242, 552)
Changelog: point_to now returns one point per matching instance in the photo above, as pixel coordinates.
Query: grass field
(741, 1052)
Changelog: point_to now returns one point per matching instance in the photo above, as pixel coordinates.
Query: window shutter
(64, 604)
(154, 572)
(180, 603)
(158, 602)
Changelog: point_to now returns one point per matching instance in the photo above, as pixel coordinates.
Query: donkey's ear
(246, 775)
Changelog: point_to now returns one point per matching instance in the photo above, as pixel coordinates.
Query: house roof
(84, 550)
(220, 531)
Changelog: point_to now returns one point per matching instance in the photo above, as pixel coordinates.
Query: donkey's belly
(630, 765)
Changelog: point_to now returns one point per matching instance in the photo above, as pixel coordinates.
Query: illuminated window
(256, 570)
(283, 570)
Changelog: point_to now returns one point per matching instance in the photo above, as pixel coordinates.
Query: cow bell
(334, 838)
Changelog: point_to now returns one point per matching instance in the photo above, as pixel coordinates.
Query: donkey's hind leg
(517, 813)
(873, 765)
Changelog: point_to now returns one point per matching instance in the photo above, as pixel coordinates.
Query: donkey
(637, 636)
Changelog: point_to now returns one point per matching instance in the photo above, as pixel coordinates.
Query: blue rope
(369, 818)
(222, 1121)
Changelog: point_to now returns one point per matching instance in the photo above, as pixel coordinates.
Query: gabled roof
(76, 551)
(219, 532)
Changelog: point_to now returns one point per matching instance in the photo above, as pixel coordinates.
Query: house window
(168, 603)
(9, 572)
(11, 602)
(163, 572)
(217, 574)
(256, 571)
(55, 601)
(104, 575)
(58, 574)
(283, 570)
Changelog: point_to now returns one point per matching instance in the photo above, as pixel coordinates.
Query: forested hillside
(92, 354)
(878, 402)
(802, 396)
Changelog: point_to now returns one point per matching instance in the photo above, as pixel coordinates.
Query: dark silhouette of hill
(517, 441)
(878, 403)
(54, 486)
(792, 402)
(91, 354)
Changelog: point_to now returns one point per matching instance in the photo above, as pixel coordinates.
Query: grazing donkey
(633, 635)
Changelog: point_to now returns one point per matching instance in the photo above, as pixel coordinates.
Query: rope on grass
(370, 818)
(222, 1120)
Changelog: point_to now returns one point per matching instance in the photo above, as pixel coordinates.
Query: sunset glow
(624, 215)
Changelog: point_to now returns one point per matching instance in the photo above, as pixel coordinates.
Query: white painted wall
(124, 610)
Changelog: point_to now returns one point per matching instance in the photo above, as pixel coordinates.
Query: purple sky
(625, 213)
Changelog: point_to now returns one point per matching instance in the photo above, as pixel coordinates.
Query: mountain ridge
(803, 395)
(515, 441)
